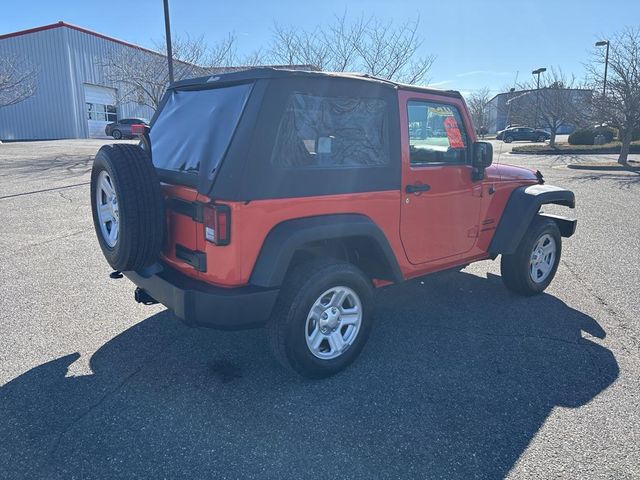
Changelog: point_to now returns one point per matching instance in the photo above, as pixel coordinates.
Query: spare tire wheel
(127, 206)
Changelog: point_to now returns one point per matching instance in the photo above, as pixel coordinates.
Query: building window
(101, 112)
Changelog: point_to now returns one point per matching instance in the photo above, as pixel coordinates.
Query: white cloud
(441, 83)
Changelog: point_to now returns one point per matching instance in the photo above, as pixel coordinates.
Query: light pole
(537, 72)
(167, 34)
(602, 43)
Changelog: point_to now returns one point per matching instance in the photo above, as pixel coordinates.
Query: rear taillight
(217, 224)
(139, 129)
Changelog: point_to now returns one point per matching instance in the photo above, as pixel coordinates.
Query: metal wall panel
(67, 59)
(48, 113)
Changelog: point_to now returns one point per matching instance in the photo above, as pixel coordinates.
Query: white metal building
(72, 98)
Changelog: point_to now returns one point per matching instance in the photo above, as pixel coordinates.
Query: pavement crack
(58, 442)
(49, 240)
(61, 193)
(13, 195)
(618, 317)
(56, 445)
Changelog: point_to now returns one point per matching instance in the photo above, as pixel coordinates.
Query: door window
(436, 133)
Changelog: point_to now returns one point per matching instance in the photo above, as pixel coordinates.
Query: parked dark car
(122, 128)
(529, 134)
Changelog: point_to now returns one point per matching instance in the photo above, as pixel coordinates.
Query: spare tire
(127, 206)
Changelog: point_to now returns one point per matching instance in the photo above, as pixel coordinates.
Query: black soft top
(269, 73)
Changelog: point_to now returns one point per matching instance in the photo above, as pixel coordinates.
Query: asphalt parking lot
(460, 379)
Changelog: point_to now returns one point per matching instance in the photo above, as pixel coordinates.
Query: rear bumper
(201, 304)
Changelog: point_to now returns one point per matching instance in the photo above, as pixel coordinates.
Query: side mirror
(482, 154)
(482, 158)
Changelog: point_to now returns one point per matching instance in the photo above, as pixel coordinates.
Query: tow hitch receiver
(143, 297)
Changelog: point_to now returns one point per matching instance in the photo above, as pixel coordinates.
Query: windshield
(194, 128)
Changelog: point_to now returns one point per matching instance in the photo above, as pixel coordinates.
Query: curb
(609, 151)
(610, 168)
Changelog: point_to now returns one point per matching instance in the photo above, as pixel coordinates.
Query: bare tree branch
(17, 79)
(477, 103)
(620, 105)
(370, 45)
(142, 76)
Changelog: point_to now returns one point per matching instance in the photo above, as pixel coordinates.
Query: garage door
(100, 107)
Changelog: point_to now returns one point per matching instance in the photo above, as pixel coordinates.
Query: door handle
(417, 188)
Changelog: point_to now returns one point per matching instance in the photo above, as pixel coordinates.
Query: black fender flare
(287, 237)
(523, 204)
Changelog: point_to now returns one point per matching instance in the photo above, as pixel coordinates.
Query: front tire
(116, 134)
(542, 139)
(508, 139)
(322, 319)
(530, 270)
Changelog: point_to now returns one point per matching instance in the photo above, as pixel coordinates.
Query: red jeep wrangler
(284, 198)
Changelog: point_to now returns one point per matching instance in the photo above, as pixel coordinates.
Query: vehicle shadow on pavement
(457, 378)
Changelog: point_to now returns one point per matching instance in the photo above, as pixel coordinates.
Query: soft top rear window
(194, 128)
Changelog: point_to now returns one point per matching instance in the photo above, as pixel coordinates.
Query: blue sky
(477, 42)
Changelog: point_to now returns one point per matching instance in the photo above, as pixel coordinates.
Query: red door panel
(442, 221)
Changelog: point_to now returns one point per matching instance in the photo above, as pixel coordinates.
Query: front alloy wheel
(530, 269)
(543, 258)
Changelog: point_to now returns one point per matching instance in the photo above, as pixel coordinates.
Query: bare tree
(291, 46)
(619, 106)
(222, 54)
(477, 102)
(142, 76)
(370, 45)
(557, 102)
(17, 79)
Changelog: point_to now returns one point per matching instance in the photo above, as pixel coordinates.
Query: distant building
(499, 114)
(73, 99)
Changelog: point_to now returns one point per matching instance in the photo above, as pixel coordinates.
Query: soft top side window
(436, 133)
(332, 132)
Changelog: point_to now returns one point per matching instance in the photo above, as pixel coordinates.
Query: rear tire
(127, 207)
(304, 334)
(542, 139)
(508, 139)
(530, 270)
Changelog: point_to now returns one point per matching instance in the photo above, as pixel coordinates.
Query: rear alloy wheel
(321, 321)
(532, 267)
(333, 322)
(508, 139)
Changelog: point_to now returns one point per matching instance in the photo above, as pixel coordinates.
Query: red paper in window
(453, 133)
